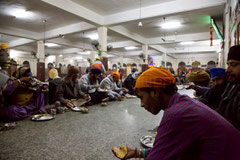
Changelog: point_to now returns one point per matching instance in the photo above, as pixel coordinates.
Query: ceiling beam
(194, 55)
(122, 44)
(125, 32)
(135, 37)
(21, 33)
(19, 42)
(70, 29)
(76, 9)
(162, 9)
(180, 38)
(193, 49)
(67, 43)
(158, 48)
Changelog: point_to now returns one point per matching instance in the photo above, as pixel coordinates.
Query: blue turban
(96, 71)
(217, 72)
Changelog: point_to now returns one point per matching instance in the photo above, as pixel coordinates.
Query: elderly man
(229, 106)
(23, 96)
(69, 93)
(213, 97)
(110, 83)
(189, 129)
(89, 85)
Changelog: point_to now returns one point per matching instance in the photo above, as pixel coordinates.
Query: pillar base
(41, 71)
(105, 63)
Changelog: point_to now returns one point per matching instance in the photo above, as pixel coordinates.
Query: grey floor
(74, 135)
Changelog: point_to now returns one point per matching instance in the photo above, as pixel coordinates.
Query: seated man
(201, 81)
(188, 129)
(130, 81)
(229, 106)
(23, 96)
(69, 93)
(89, 85)
(110, 83)
(54, 84)
(213, 96)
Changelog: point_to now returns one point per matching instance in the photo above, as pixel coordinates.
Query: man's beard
(232, 78)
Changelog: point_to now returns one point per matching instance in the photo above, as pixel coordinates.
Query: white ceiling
(192, 22)
(76, 19)
(6, 38)
(41, 11)
(107, 7)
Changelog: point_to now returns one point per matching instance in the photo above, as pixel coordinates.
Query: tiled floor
(73, 135)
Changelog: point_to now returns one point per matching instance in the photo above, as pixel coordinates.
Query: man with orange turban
(188, 129)
(110, 84)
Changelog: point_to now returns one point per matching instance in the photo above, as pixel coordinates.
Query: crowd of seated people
(207, 122)
(23, 96)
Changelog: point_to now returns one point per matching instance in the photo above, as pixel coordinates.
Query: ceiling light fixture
(51, 45)
(21, 13)
(60, 55)
(84, 53)
(140, 24)
(79, 57)
(130, 48)
(93, 36)
(171, 25)
(187, 43)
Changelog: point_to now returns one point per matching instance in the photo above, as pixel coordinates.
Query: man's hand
(96, 86)
(125, 90)
(130, 153)
(69, 105)
(191, 87)
(119, 97)
(87, 97)
(25, 79)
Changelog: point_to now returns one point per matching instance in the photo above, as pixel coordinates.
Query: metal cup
(61, 110)
(53, 111)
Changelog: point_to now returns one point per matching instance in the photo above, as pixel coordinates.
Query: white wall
(157, 60)
(189, 58)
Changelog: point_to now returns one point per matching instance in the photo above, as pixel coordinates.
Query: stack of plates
(42, 117)
(147, 141)
(130, 96)
(80, 109)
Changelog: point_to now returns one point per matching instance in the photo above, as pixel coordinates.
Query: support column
(92, 57)
(227, 35)
(102, 39)
(41, 62)
(145, 53)
(221, 59)
(57, 61)
(165, 60)
(121, 61)
(41, 51)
